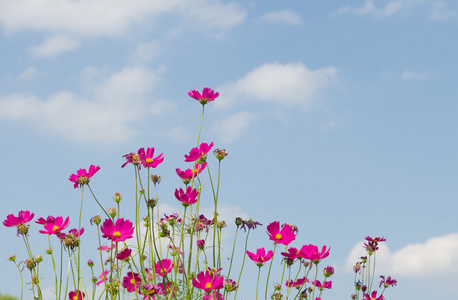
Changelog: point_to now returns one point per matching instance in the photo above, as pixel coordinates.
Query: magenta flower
(163, 267)
(147, 159)
(55, 227)
(311, 252)
(24, 216)
(189, 174)
(150, 290)
(328, 271)
(260, 257)
(82, 176)
(299, 282)
(373, 296)
(292, 253)
(167, 289)
(283, 236)
(208, 95)
(199, 154)
(124, 254)
(325, 285)
(118, 232)
(376, 239)
(102, 277)
(131, 158)
(74, 296)
(48, 220)
(208, 282)
(186, 198)
(131, 282)
(387, 282)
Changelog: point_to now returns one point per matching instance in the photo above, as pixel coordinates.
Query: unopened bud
(49, 251)
(90, 263)
(220, 154)
(238, 221)
(117, 198)
(156, 179)
(96, 220)
(112, 212)
(39, 258)
(152, 203)
(12, 257)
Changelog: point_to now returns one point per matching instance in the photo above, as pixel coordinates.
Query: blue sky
(339, 117)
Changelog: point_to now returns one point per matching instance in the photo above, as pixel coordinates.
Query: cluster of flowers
(365, 268)
(191, 267)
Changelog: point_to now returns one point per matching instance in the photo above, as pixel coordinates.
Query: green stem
(270, 268)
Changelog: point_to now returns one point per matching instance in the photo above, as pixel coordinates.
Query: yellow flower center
(149, 160)
(278, 236)
(208, 285)
(116, 234)
(55, 227)
(75, 297)
(164, 270)
(132, 281)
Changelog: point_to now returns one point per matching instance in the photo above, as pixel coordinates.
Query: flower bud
(277, 287)
(49, 251)
(12, 257)
(328, 271)
(156, 179)
(141, 191)
(152, 203)
(39, 258)
(96, 220)
(201, 244)
(220, 154)
(117, 198)
(364, 288)
(238, 221)
(94, 279)
(112, 212)
(90, 263)
(30, 263)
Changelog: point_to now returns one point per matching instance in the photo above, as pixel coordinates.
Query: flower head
(131, 282)
(150, 290)
(189, 174)
(311, 252)
(230, 285)
(199, 154)
(208, 282)
(131, 158)
(118, 232)
(260, 257)
(163, 267)
(373, 296)
(124, 254)
(251, 224)
(147, 159)
(283, 236)
(386, 282)
(300, 282)
(24, 216)
(76, 295)
(82, 176)
(56, 226)
(292, 253)
(324, 285)
(186, 198)
(328, 271)
(103, 277)
(207, 95)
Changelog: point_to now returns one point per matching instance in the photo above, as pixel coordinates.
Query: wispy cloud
(286, 16)
(102, 116)
(441, 12)
(28, 74)
(391, 8)
(413, 75)
(231, 127)
(282, 84)
(56, 45)
(434, 256)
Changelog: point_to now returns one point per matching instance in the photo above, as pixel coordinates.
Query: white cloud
(230, 128)
(56, 45)
(103, 116)
(110, 17)
(178, 133)
(146, 52)
(284, 84)
(435, 256)
(28, 74)
(393, 7)
(412, 75)
(441, 12)
(286, 16)
(162, 106)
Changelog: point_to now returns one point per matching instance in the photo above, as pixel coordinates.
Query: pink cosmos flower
(387, 282)
(48, 220)
(207, 282)
(292, 253)
(102, 277)
(124, 254)
(131, 282)
(260, 257)
(74, 296)
(82, 176)
(284, 236)
(150, 290)
(24, 216)
(208, 95)
(376, 239)
(167, 289)
(131, 158)
(106, 248)
(189, 174)
(325, 285)
(163, 267)
(198, 153)
(311, 252)
(147, 159)
(56, 227)
(187, 198)
(299, 282)
(373, 296)
(118, 232)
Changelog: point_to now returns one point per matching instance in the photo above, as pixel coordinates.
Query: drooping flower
(56, 227)
(102, 277)
(208, 95)
(118, 232)
(260, 257)
(324, 285)
(376, 239)
(131, 282)
(82, 176)
(163, 267)
(199, 154)
(311, 252)
(299, 282)
(250, 224)
(372, 245)
(207, 282)
(131, 158)
(284, 236)
(386, 282)
(147, 159)
(186, 198)
(124, 254)
(189, 174)
(373, 296)
(76, 295)
(24, 216)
